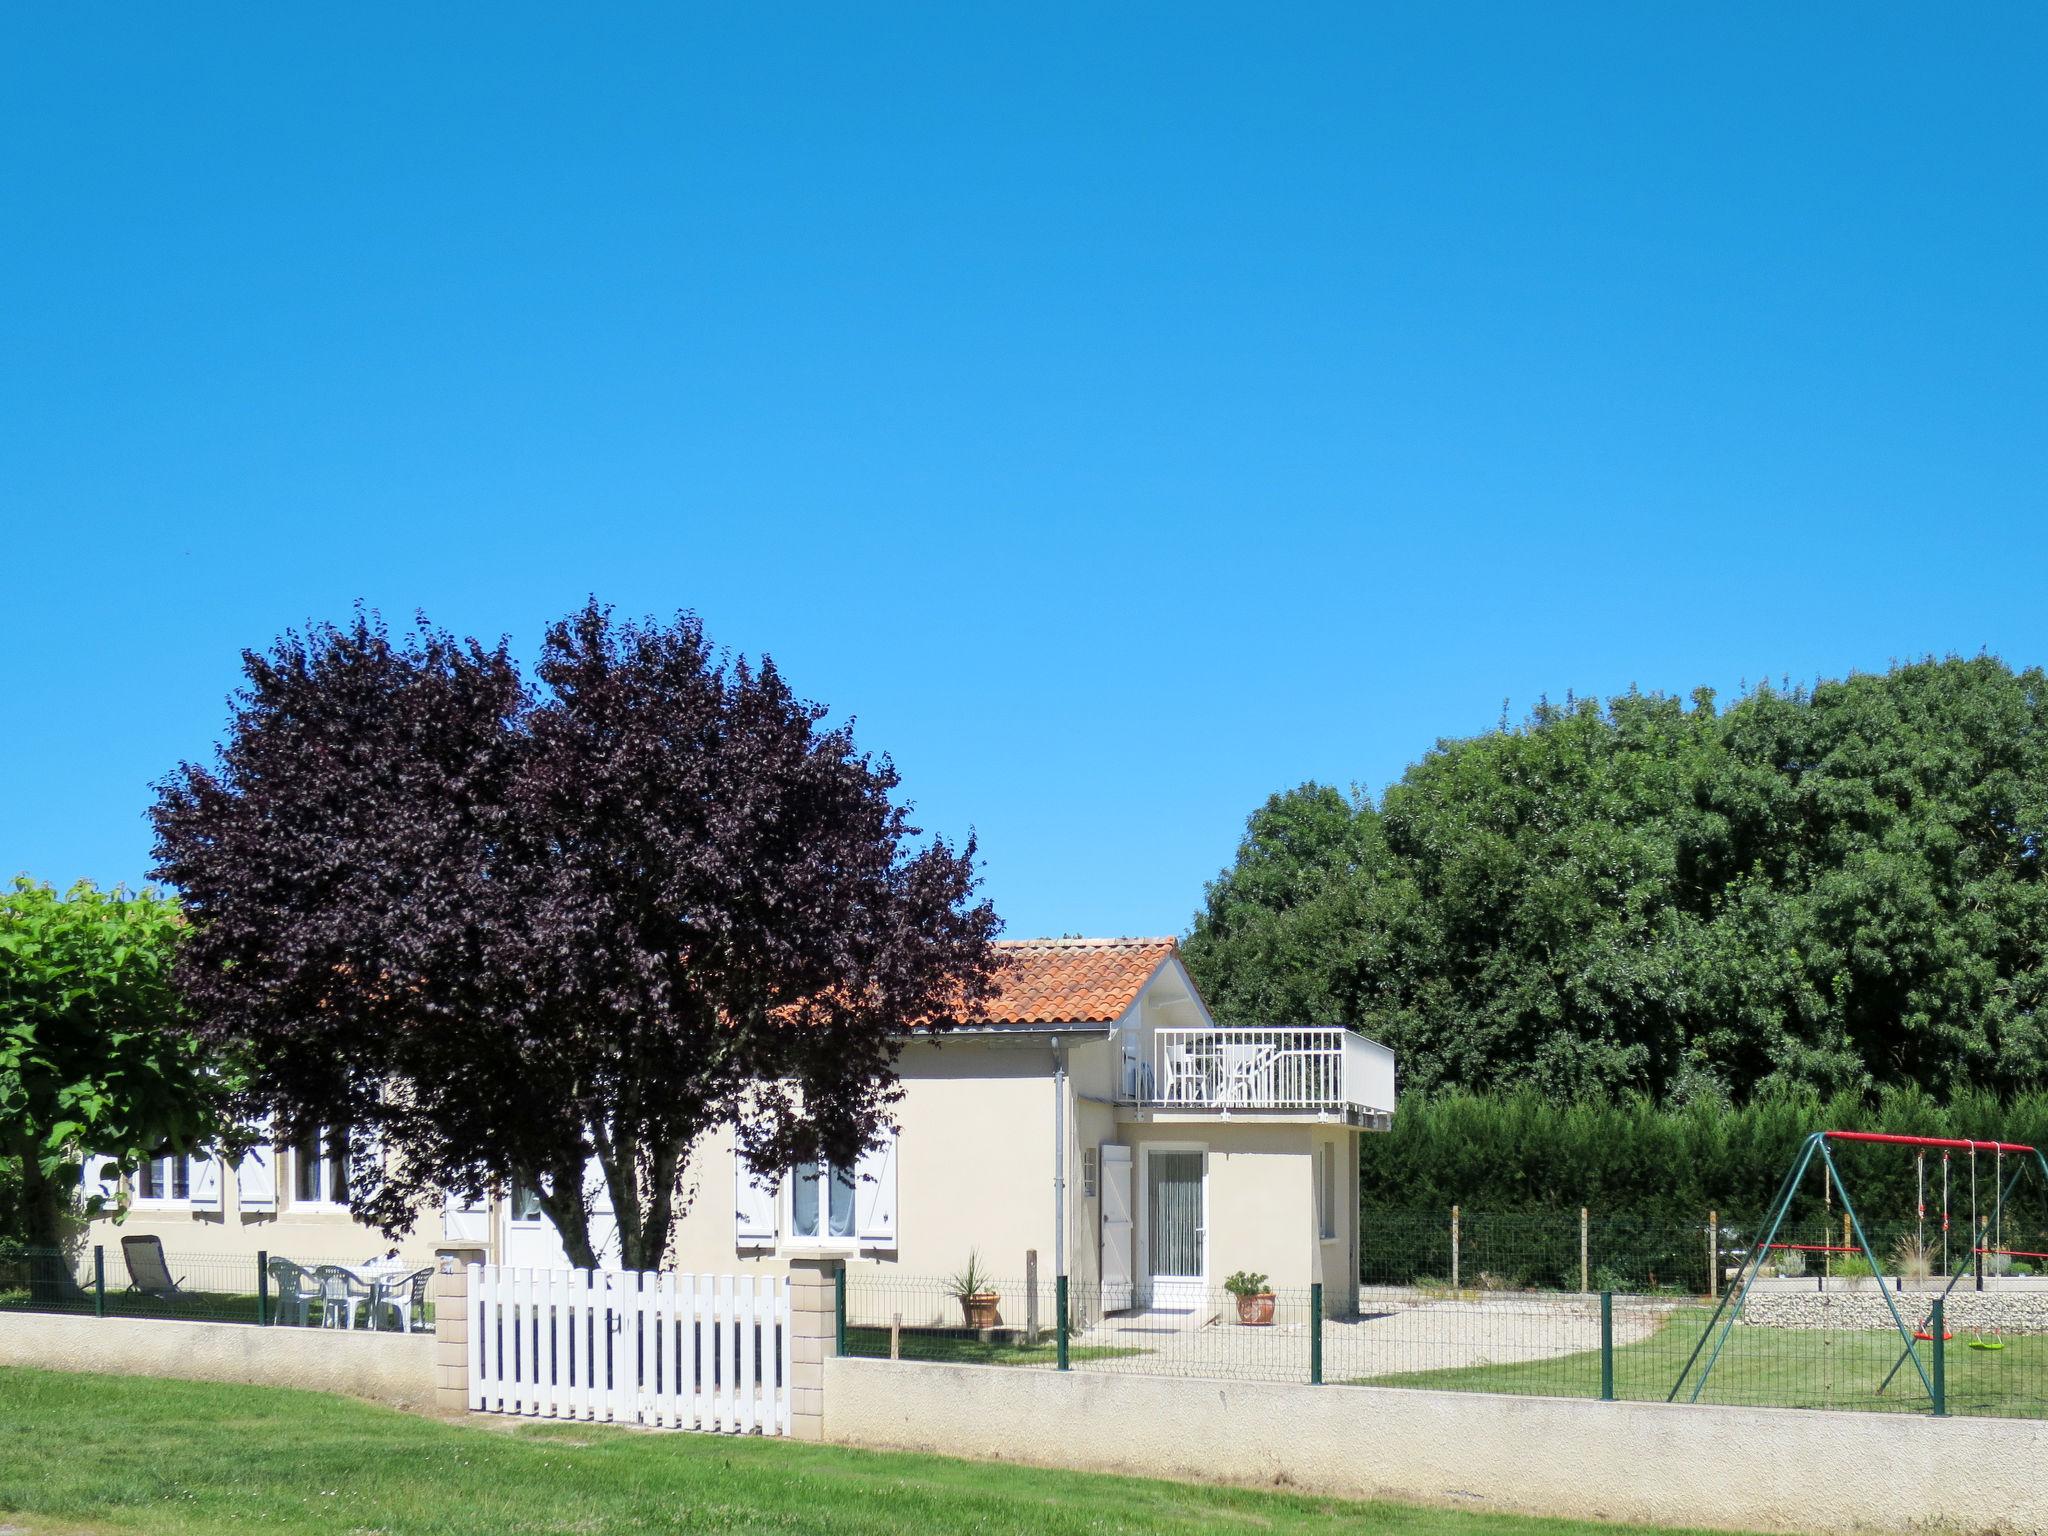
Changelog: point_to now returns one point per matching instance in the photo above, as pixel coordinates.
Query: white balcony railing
(1299, 1069)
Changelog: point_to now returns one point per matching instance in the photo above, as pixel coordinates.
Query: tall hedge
(1520, 1166)
(1839, 889)
(1525, 1153)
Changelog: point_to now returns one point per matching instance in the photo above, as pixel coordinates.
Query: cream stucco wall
(1261, 1207)
(974, 1164)
(975, 1170)
(1749, 1469)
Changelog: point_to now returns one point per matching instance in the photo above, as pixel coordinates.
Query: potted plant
(977, 1297)
(1254, 1301)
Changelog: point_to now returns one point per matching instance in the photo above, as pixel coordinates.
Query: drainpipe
(1059, 1159)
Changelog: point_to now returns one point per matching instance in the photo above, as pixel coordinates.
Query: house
(1097, 1119)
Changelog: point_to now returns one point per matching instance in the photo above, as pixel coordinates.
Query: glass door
(1175, 1228)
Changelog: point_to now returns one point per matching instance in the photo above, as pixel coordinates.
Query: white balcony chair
(1248, 1074)
(1187, 1071)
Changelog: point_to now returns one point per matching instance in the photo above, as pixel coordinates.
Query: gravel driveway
(1395, 1333)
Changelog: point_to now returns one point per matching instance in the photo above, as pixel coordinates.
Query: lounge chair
(293, 1289)
(343, 1293)
(148, 1273)
(405, 1299)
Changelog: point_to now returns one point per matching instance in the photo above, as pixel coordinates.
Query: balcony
(1327, 1073)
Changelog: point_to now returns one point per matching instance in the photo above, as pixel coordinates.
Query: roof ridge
(1127, 941)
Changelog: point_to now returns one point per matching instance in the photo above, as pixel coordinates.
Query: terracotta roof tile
(1073, 981)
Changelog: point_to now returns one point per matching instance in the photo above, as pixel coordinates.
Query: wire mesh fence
(1830, 1336)
(262, 1289)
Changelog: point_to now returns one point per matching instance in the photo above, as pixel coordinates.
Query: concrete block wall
(813, 1320)
(1744, 1469)
(451, 1336)
(392, 1368)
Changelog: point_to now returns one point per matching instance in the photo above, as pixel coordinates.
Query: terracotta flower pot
(980, 1309)
(1256, 1311)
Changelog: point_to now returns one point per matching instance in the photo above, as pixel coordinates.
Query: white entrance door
(1176, 1229)
(1117, 1249)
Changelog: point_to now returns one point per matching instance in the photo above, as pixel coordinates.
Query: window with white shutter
(320, 1172)
(256, 1179)
(164, 1181)
(875, 1194)
(753, 1205)
(205, 1184)
(99, 1178)
(604, 1221)
(464, 1220)
(1326, 1192)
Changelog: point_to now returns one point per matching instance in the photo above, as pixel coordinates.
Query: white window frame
(1326, 1192)
(787, 1210)
(163, 1165)
(513, 1190)
(322, 1137)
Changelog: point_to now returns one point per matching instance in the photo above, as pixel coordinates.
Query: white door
(1176, 1229)
(1117, 1249)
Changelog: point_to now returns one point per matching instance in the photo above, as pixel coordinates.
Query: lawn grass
(123, 1456)
(1775, 1368)
(961, 1348)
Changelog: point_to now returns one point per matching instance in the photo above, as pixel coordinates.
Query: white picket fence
(673, 1351)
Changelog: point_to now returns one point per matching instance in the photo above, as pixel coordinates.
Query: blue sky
(1124, 411)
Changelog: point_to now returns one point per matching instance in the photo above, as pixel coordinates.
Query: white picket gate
(674, 1351)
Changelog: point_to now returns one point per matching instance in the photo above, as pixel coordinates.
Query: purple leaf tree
(558, 930)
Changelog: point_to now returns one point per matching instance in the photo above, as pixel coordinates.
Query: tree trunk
(563, 1205)
(48, 1227)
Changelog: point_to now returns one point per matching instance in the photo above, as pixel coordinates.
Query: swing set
(1987, 1234)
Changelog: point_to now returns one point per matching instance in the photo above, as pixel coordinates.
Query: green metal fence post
(1059, 1291)
(1607, 1346)
(99, 1281)
(262, 1287)
(1935, 1325)
(1315, 1334)
(839, 1310)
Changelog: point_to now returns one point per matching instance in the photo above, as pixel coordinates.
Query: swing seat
(1987, 1343)
(1926, 1337)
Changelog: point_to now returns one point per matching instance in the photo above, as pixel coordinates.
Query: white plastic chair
(293, 1292)
(343, 1294)
(404, 1299)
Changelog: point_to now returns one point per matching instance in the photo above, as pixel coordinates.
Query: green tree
(1832, 890)
(92, 1058)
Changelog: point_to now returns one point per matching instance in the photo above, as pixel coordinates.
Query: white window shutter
(604, 1222)
(372, 1156)
(753, 1205)
(464, 1223)
(99, 1178)
(205, 1185)
(1117, 1254)
(256, 1178)
(597, 1189)
(875, 1194)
